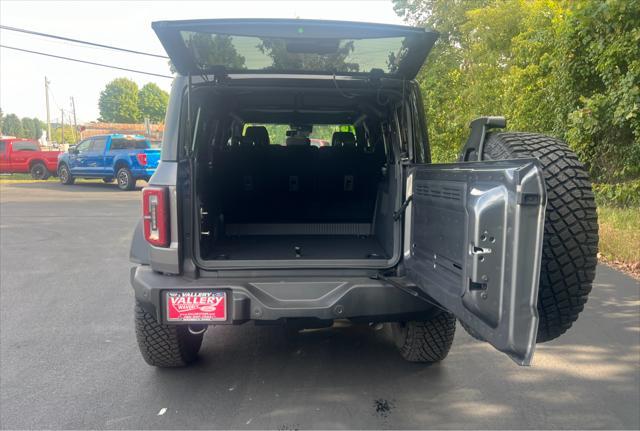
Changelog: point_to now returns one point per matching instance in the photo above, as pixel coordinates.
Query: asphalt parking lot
(68, 357)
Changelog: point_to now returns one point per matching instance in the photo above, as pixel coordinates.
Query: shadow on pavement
(337, 378)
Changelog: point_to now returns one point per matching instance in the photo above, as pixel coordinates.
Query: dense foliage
(152, 102)
(30, 128)
(215, 49)
(568, 69)
(12, 126)
(222, 50)
(622, 194)
(122, 102)
(118, 102)
(70, 137)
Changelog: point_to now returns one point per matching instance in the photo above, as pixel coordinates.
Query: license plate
(196, 306)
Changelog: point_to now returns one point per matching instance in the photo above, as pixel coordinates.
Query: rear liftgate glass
(294, 47)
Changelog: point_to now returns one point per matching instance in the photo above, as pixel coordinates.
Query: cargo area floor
(281, 247)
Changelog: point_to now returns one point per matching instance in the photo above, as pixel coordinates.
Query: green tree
(1, 119)
(599, 76)
(12, 126)
(443, 78)
(28, 128)
(39, 126)
(285, 60)
(152, 102)
(569, 69)
(209, 50)
(69, 137)
(215, 49)
(118, 102)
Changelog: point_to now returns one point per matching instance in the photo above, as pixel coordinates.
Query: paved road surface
(68, 357)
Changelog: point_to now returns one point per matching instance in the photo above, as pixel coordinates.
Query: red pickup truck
(25, 155)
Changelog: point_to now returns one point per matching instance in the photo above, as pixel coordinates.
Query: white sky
(122, 24)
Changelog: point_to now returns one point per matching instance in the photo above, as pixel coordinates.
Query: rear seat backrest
(348, 179)
(258, 135)
(294, 170)
(246, 185)
(343, 139)
(272, 183)
(346, 176)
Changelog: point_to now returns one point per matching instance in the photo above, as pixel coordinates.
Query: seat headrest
(258, 134)
(297, 141)
(343, 139)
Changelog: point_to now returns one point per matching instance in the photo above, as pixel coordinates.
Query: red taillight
(155, 213)
(142, 159)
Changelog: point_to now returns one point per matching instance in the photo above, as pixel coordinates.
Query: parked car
(125, 158)
(25, 156)
(236, 228)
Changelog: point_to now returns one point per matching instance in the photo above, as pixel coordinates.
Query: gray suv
(246, 220)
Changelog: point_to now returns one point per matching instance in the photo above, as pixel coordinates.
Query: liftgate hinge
(403, 207)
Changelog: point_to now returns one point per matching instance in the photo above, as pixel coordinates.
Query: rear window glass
(238, 53)
(129, 144)
(320, 135)
(26, 146)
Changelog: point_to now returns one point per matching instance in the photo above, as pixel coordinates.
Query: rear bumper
(142, 173)
(272, 299)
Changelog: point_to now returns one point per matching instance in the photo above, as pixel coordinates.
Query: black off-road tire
(125, 179)
(427, 341)
(64, 174)
(570, 245)
(165, 345)
(39, 171)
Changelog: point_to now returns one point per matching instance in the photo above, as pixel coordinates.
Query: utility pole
(75, 124)
(62, 129)
(46, 93)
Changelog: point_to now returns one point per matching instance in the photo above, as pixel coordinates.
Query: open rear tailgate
(476, 246)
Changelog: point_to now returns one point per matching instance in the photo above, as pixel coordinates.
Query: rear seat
(246, 181)
(258, 135)
(299, 183)
(349, 179)
(294, 169)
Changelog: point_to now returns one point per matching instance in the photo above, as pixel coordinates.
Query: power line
(85, 62)
(53, 36)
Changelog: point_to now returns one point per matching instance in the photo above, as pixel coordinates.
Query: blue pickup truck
(125, 158)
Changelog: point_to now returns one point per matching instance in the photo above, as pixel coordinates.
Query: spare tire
(570, 245)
